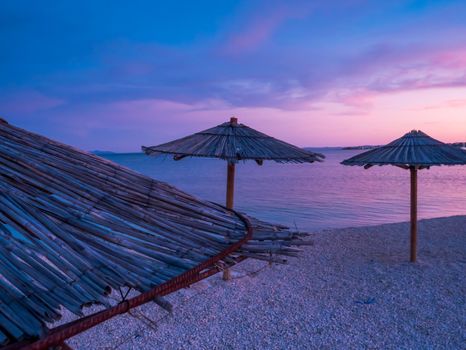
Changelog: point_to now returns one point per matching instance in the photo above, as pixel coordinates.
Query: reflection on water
(313, 196)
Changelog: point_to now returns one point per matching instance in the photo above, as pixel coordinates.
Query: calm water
(313, 196)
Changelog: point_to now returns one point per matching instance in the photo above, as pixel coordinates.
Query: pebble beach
(354, 288)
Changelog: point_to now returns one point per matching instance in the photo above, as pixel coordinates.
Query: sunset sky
(117, 75)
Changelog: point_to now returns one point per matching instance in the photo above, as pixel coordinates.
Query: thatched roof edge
(413, 149)
(74, 225)
(235, 142)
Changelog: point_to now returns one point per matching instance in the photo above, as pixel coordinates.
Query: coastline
(353, 288)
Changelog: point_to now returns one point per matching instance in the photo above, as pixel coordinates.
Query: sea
(312, 196)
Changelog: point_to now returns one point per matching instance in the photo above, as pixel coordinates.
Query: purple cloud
(269, 58)
(26, 102)
(261, 26)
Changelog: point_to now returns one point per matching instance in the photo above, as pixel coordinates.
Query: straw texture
(413, 149)
(73, 226)
(233, 143)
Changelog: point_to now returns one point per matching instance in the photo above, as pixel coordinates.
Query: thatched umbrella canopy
(73, 226)
(234, 142)
(414, 151)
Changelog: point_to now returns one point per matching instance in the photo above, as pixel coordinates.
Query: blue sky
(115, 75)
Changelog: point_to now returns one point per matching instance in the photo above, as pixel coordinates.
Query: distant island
(347, 148)
(365, 147)
(102, 153)
(359, 147)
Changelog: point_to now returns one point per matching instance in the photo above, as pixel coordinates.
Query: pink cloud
(125, 125)
(455, 103)
(261, 27)
(451, 58)
(358, 99)
(390, 70)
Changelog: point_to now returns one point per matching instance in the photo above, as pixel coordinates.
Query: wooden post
(231, 174)
(230, 184)
(413, 171)
(230, 193)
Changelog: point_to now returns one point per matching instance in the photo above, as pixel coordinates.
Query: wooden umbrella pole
(229, 203)
(230, 185)
(231, 174)
(230, 191)
(413, 171)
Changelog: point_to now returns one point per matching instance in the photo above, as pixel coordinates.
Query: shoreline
(353, 288)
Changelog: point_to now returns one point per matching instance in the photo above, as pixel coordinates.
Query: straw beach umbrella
(234, 142)
(74, 226)
(414, 151)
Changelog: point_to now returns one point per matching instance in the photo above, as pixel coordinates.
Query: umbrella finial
(234, 121)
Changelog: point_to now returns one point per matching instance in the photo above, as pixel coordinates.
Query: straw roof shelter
(414, 151)
(234, 142)
(74, 226)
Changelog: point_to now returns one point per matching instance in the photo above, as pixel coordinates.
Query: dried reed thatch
(73, 226)
(414, 151)
(233, 142)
